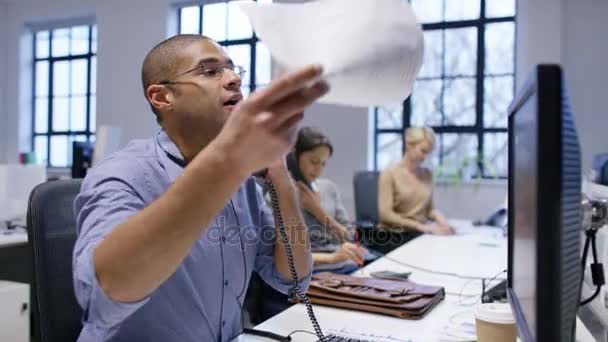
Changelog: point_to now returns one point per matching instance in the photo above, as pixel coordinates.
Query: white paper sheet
(371, 50)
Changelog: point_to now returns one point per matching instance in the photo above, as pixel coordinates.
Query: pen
(358, 242)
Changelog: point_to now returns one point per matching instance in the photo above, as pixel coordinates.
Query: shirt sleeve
(265, 264)
(101, 206)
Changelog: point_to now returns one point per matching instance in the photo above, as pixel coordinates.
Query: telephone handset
(294, 169)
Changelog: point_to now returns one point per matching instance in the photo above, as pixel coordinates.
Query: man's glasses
(211, 71)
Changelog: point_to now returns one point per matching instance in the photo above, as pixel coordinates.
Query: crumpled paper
(371, 50)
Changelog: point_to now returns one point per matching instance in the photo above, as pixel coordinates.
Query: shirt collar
(169, 155)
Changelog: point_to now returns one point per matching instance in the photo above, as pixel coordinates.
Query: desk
(15, 257)
(14, 312)
(11, 239)
(476, 253)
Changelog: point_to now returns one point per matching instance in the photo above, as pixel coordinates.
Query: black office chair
(366, 198)
(51, 230)
(368, 218)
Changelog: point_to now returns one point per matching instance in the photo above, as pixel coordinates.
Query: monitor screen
(544, 210)
(525, 133)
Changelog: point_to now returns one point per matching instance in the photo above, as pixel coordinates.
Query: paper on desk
(371, 50)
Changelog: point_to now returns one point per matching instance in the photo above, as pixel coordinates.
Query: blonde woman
(406, 191)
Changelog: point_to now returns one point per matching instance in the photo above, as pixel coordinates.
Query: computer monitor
(544, 210)
(82, 158)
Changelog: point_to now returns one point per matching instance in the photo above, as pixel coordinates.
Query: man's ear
(160, 97)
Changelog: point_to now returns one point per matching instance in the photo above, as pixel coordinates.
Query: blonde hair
(416, 135)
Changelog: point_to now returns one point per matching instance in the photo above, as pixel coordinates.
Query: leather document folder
(399, 298)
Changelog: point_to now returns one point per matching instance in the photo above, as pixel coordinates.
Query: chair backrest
(366, 196)
(51, 229)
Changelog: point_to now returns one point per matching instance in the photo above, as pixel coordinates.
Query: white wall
(124, 37)
(585, 56)
(121, 100)
(4, 84)
(572, 33)
(347, 128)
(538, 36)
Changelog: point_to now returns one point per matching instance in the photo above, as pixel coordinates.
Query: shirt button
(223, 323)
(223, 239)
(226, 283)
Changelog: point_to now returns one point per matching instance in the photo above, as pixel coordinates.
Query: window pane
(93, 113)
(500, 8)
(40, 147)
(433, 54)
(462, 9)
(94, 39)
(245, 90)
(495, 154)
(93, 75)
(262, 64)
(461, 52)
(80, 137)
(61, 74)
(214, 21)
(79, 77)
(78, 114)
(42, 78)
(59, 151)
(459, 101)
(500, 45)
(390, 117)
(390, 149)
(459, 153)
(61, 114)
(426, 103)
(61, 42)
(42, 44)
(428, 11)
(41, 121)
(80, 40)
(241, 55)
(498, 95)
(189, 20)
(238, 23)
(432, 161)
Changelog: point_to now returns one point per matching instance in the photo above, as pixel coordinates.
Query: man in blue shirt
(170, 228)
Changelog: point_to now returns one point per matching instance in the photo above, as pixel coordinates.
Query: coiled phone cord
(295, 291)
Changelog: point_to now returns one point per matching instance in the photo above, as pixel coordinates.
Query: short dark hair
(310, 138)
(160, 62)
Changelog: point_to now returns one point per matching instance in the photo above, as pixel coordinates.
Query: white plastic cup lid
(495, 313)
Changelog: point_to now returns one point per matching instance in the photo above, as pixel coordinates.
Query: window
(63, 102)
(462, 91)
(224, 22)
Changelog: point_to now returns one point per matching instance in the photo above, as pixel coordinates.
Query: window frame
(252, 42)
(477, 128)
(88, 132)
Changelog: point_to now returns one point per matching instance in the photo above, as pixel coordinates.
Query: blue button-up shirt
(202, 300)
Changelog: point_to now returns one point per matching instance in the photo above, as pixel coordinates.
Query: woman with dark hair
(325, 217)
(323, 210)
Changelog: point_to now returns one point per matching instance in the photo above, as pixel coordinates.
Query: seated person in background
(405, 202)
(324, 215)
(323, 210)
